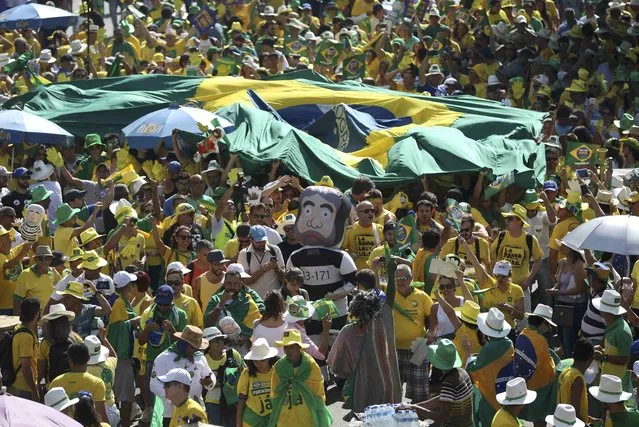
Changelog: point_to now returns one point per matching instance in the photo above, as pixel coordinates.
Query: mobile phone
(582, 173)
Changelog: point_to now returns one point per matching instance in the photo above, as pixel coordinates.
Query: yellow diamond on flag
(582, 153)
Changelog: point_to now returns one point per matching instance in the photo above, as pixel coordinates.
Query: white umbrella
(618, 234)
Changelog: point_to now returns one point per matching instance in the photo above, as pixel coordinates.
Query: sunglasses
(402, 278)
(174, 284)
(466, 230)
(365, 211)
(501, 276)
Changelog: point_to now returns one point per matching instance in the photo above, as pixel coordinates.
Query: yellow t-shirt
(362, 6)
(561, 229)
(297, 413)
(32, 284)
(25, 345)
(189, 409)
(64, 241)
(231, 248)
(484, 250)
(8, 278)
(504, 419)
(635, 278)
(564, 394)
(105, 371)
(515, 250)
(419, 264)
(494, 297)
(192, 309)
(418, 304)
(75, 382)
(360, 241)
(257, 390)
(207, 289)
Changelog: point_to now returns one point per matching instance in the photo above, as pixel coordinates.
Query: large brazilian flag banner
(321, 128)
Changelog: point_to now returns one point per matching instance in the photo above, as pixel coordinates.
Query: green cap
(530, 199)
(64, 213)
(194, 10)
(399, 41)
(625, 122)
(39, 194)
(126, 27)
(219, 192)
(92, 139)
(212, 49)
(177, 23)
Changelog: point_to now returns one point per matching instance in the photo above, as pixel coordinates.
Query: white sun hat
(493, 323)
(261, 350)
(516, 393)
(609, 390)
(609, 302)
(564, 416)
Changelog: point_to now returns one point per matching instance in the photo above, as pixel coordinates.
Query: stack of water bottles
(386, 416)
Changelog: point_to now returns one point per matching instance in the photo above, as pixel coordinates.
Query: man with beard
(17, 198)
(206, 285)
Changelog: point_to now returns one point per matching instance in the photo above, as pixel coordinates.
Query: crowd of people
(160, 287)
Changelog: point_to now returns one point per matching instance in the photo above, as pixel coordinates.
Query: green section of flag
(327, 53)
(227, 66)
(294, 45)
(354, 67)
(406, 233)
(499, 184)
(580, 154)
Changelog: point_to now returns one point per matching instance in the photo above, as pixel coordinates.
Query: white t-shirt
(269, 280)
(104, 284)
(539, 226)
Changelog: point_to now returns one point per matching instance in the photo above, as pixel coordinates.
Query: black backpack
(529, 242)
(9, 372)
(58, 361)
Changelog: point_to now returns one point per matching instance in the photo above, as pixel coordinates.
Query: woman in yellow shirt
(181, 248)
(254, 386)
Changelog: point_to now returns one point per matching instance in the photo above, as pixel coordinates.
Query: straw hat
(564, 416)
(517, 211)
(92, 261)
(545, 312)
(56, 311)
(193, 336)
(609, 302)
(89, 235)
(261, 350)
(469, 312)
(516, 393)
(75, 289)
(493, 323)
(290, 337)
(609, 390)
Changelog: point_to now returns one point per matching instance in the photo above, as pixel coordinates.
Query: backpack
(249, 255)
(502, 235)
(58, 361)
(9, 373)
(229, 373)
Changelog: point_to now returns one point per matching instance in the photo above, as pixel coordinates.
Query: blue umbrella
(36, 16)
(156, 127)
(19, 126)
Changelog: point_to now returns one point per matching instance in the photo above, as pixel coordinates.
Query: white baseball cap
(177, 266)
(123, 278)
(97, 352)
(176, 375)
(237, 269)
